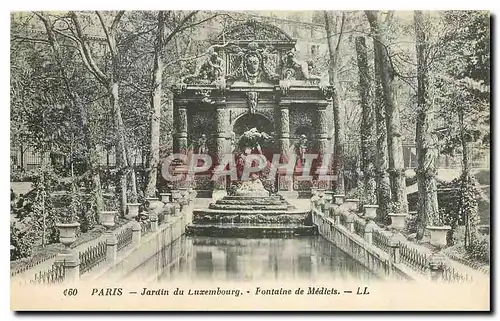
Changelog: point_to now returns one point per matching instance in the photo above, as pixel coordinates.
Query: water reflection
(206, 258)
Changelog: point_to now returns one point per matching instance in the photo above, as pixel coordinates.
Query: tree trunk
(394, 141)
(428, 211)
(338, 114)
(367, 123)
(133, 177)
(156, 109)
(468, 203)
(121, 158)
(382, 181)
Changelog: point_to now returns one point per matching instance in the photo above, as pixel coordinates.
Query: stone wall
(135, 256)
(379, 262)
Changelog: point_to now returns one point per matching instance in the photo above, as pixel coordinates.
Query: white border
(9, 6)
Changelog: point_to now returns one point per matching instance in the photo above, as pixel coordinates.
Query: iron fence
(450, 275)
(92, 257)
(124, 238)
(380, 240)
(414, 258)
(55, 274)
(359, 227)
(32, 264)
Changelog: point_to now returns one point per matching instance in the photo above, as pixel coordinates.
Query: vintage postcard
(250, 160)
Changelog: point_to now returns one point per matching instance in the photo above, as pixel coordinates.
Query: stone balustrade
(383, 250)
(162, 216)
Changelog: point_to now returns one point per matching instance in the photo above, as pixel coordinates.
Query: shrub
(22, 241)
(479, 250)
(411, 224)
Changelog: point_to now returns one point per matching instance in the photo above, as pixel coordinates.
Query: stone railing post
(436, 267)
(350, 222)
(154, 222)
(111, 246)
(394, 244)
(336, 215)
(71, 267)
(136, 233)
(177, 208)
(368, 232)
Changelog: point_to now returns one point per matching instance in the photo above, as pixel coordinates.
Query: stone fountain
(251, 211)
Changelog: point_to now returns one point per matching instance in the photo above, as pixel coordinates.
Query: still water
(236, 259)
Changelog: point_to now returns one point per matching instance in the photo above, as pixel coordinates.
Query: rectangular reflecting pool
(238, 259)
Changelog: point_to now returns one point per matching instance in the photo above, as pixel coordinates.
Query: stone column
(322, 123)
(72, 269)
(111, 246)
(222, 124)
(180, 119)
(285, 183)
(136, 233)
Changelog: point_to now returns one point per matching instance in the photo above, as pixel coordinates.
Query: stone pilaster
(180, 119)
(221, 127)
(322, 122)
(285, 183)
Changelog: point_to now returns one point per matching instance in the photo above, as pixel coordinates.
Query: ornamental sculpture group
(252, 64)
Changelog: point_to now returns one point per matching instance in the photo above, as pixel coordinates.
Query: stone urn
(352, 204)
(329, 197)
(132, 210)
(338, 199)
(67, 233)
(398, 220)
(321, 203)
(154, 204)
(183, 191)
(166, 197)
(176, 194)
(107, 218)
(370, 211)
(438, 235)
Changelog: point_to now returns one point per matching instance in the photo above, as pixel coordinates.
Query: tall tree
(394, 141)
(162, 40)
(90, 150)
(368, 133)
(336, 27)
(426, 139)
(109, 80)
(465, 98)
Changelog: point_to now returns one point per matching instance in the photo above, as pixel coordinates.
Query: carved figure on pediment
(291, 68)
(209, 72)
(212, 68)
(312, 73)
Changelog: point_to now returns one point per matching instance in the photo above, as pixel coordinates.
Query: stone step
(250, 219)
(241, 197)
(248, 207)
(250, 231)
(254, 201)
(248, 212)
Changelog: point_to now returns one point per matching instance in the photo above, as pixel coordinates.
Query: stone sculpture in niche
(202, 145)
(302, 147)
(252, 100)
